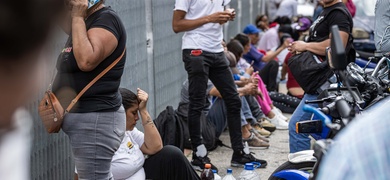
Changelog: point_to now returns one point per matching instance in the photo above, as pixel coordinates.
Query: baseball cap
(303, 24)
(251, 29)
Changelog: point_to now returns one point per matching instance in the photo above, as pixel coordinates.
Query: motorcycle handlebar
(343, 108)
(317, 112)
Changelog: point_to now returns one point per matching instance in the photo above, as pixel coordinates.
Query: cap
(303, 24)
(249, 166)
(232, 62)
(251, 29)
(207, 166)
(229, 171)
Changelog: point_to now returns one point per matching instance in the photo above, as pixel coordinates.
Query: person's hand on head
(79, 8)
(142, 99)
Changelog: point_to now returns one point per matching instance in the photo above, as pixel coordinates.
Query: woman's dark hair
(236, 48)
(25, 25)
(242, 38)
(258, 19)
(283, 20)
(129, 98)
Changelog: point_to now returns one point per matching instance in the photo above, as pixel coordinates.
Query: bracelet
(148, 122)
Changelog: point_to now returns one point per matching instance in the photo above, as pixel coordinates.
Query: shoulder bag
(50, 109)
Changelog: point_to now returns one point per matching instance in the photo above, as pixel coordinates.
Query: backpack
(170, 128)
(209, 137)
(351, 7)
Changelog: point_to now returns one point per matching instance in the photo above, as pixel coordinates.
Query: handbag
(309, 70)
(51, 111)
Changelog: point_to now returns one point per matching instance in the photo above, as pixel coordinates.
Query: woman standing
(96, 124)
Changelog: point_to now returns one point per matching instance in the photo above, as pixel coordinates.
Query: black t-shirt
(70, 80)
(321, 27)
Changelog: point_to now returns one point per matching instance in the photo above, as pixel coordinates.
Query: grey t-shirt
(287, 8)
(382, 26)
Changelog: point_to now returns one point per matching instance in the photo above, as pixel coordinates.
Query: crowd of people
(234, 83)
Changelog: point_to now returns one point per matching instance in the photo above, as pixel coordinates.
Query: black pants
(169, 164)
(285, 103)
(269, 73)
(213, 66)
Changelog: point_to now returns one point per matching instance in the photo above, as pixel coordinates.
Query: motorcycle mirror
(336, 55)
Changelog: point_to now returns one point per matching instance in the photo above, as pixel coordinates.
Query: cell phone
(92, 3)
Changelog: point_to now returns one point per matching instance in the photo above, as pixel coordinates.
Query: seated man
(163, 162)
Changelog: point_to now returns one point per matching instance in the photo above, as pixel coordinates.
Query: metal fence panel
(153, 63)
(168, 64)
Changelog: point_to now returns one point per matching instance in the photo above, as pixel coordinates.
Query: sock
(201, 151)
(246, 148)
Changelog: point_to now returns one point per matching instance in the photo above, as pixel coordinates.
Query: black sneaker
(240, 158)
(199, 162)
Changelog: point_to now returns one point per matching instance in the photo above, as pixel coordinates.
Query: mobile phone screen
(92, 3)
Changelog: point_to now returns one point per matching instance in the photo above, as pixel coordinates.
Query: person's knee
(172, 153)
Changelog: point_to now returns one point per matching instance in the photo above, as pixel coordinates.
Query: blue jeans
(300, 142)
(94, 138)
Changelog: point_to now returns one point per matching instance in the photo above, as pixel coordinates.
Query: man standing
(287, 8)
(204, 58)
(335, 13)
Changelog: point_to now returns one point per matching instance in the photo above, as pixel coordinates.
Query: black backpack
(209, 137)
(170, 128)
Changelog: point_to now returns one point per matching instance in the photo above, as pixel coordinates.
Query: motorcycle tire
(305, 166)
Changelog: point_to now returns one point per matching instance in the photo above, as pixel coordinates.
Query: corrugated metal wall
(153, 63)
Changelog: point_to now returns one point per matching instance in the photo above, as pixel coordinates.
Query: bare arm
(152, 139)
(317, 47)
(180, 24)
(90, 47)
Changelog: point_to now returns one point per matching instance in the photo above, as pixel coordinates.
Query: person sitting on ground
(264, 64)
(262, 22)
(270, 39)
(163, 162)
(265, 102)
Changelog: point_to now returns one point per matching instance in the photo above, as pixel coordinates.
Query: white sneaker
(279, 113)
(279, 122)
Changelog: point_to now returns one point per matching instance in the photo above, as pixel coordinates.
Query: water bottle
(216, 176)
(207, 174)
(229, 175)
(249, 173)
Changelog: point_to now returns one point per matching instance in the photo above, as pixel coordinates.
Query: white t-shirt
(287, 8)
(127, 162)
(209, 36)
(270, 39)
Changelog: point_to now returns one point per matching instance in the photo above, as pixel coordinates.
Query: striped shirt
(361, 150)
(382, 25)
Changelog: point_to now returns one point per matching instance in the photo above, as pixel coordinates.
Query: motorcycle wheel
(303, 166)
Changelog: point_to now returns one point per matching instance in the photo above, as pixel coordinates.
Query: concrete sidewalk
(275, 155)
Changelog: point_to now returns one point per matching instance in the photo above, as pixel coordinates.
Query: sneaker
(259, 136)
(239, 159)
(278, 112)
(255, 143)
(199, 162)
(279, 123)
(267, 125)
(261, 130)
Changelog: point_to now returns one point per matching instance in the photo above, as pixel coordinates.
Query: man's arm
(180, 24)
(317, 47)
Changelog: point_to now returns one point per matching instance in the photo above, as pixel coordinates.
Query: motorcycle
(338, 106)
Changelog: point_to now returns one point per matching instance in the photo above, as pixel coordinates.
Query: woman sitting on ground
(166, 162)
(163, 162)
